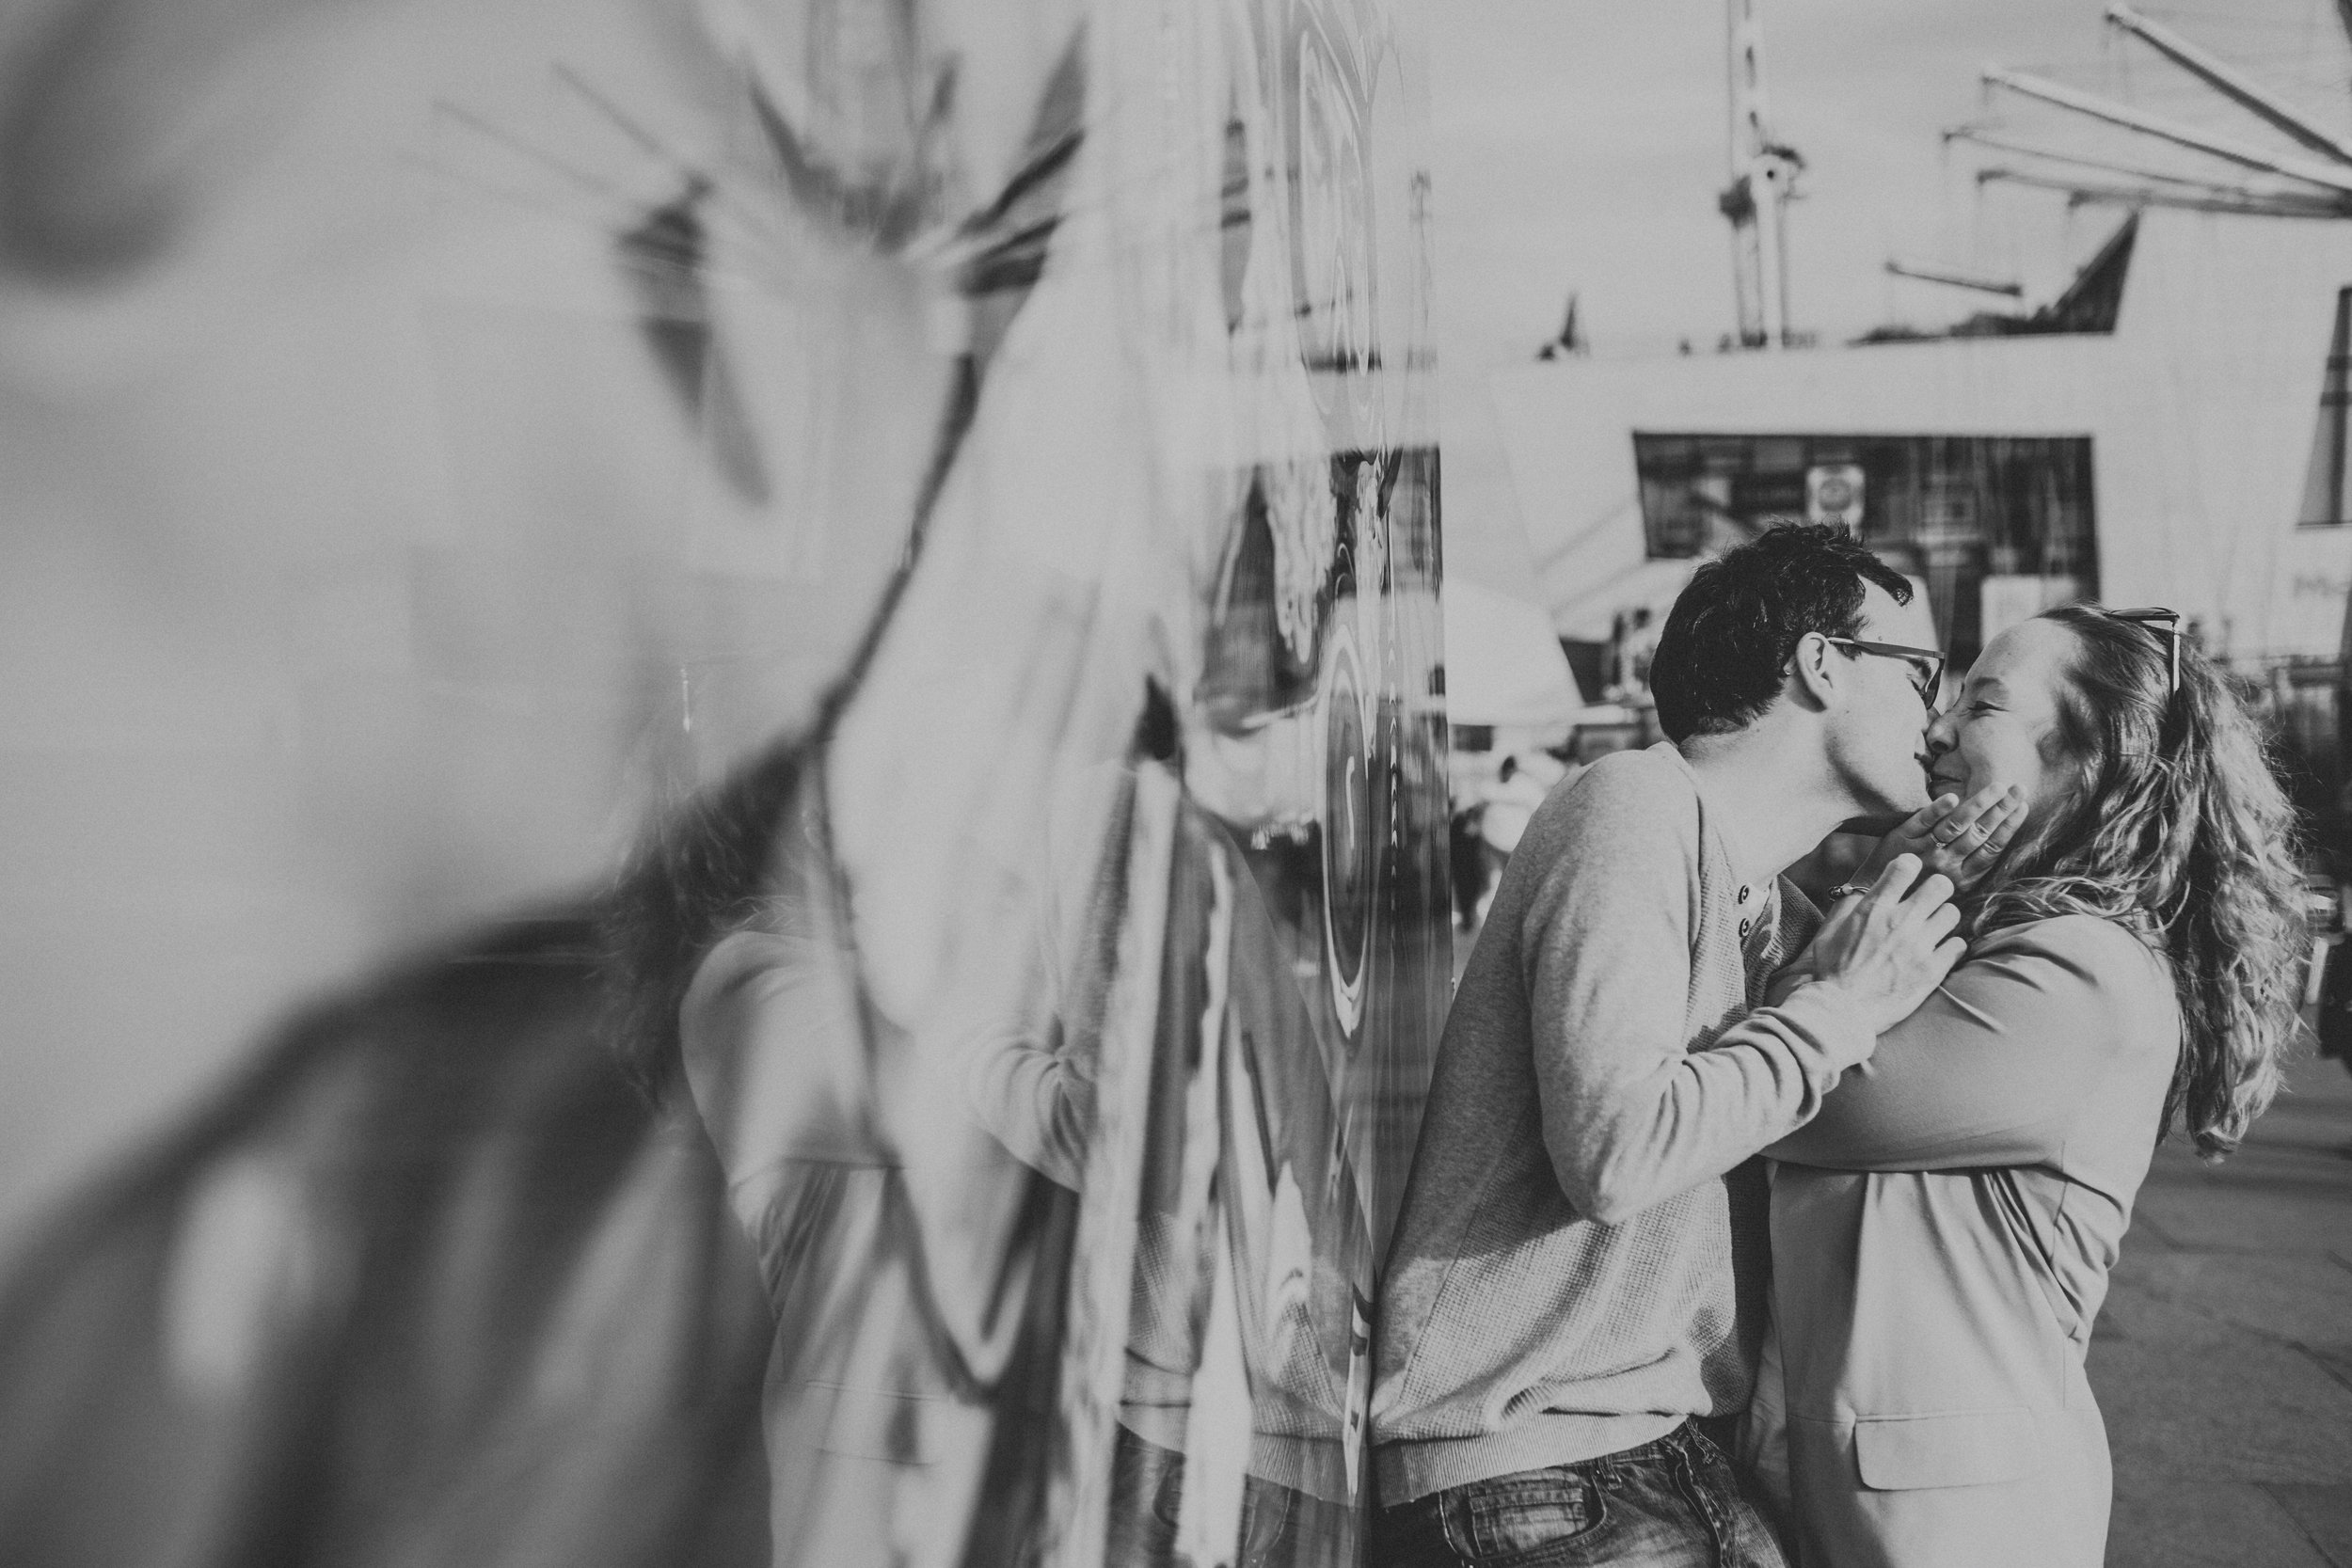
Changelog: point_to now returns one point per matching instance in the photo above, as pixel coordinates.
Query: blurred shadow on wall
(966, 1128)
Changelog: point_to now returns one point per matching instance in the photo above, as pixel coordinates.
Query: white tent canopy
(1502, 662)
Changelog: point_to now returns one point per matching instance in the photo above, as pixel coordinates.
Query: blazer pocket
(1958, 1448)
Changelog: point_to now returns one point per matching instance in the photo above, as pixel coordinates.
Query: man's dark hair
(1736, 625)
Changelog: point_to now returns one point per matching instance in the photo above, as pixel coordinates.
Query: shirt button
(1743, 896)
(1744, 927)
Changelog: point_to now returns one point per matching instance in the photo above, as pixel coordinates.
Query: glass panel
(827, 680)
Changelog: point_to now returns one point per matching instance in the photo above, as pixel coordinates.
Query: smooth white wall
(2201, 408)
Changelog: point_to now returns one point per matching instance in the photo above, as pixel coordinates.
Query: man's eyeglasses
(2161, 623)
(1926, 665)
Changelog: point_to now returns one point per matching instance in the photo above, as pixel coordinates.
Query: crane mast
(1763, 172)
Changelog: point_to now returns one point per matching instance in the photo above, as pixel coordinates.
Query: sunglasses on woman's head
(2162, 622)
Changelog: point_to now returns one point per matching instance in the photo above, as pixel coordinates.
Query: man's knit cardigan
(1579, 1263)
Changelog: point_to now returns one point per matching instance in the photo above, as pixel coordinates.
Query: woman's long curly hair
(2176, 825)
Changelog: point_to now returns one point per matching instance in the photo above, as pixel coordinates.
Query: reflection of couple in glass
(913, 1192)
(1608, 1332)
(1247, 1347)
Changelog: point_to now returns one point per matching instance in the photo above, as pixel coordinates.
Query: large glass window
(1997, 525)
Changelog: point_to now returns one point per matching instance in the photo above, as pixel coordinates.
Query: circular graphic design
(1350, 837)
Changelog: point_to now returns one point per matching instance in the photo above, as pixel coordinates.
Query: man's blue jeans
(1675, 1503)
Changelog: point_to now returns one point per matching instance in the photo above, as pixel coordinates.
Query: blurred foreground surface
(757, 684)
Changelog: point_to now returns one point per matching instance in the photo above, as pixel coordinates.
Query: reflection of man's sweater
(1241, 1172)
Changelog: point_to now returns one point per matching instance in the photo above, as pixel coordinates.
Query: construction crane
(2269, 183)
(1763, 177)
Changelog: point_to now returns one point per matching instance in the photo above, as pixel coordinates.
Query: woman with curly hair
(1942, 1232)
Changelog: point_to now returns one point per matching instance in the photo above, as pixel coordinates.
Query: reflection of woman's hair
(2177, 820)
(699, 873)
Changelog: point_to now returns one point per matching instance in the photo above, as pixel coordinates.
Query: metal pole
(2230, 82)
(1957, 279)
(1759, 187)
(2106, 165)
(2172, 131)
(2222, 198)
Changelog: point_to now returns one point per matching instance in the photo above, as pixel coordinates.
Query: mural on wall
(964, 1125)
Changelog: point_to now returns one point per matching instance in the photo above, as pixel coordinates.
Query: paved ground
(2223, 1361)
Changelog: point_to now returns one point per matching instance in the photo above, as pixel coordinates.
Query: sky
(1580, 145)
